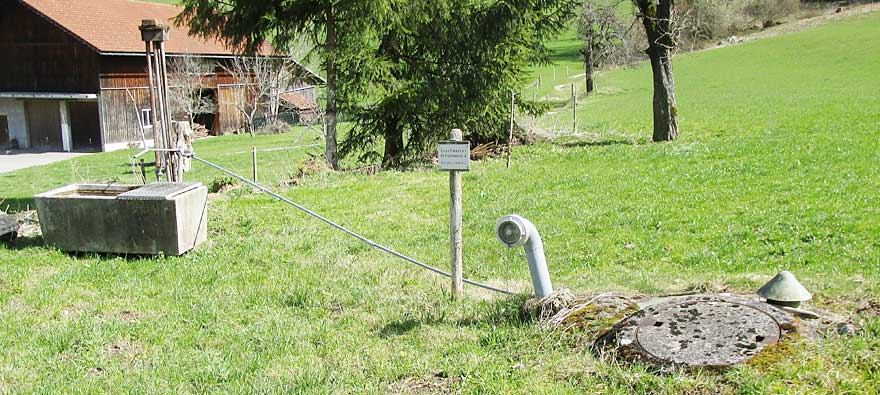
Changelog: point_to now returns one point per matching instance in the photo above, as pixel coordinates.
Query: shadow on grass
(24, 243)
(569, 53)
(15, 205)
(596, 143)
(505, 311)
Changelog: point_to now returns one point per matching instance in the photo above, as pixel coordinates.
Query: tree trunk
(588, 70)
(656, 19)
(589, 63)
(330, 111)
(393, 144)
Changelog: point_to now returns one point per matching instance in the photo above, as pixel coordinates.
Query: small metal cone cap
(784, 288)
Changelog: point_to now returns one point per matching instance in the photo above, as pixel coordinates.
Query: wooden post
(143, 172)
(455, 214)
(510, 134)
(574, 109)
(254, 158)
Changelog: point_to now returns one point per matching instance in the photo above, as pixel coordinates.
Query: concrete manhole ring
(707, 333)
(711, 330)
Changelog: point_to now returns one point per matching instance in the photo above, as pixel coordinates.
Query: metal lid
(159, 191)
(784, 288)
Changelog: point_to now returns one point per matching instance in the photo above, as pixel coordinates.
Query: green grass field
(776, 169)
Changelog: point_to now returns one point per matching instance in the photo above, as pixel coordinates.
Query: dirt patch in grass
(869, 308)
(124, 349)
(437, 383)
(126, 316)
(76, 311)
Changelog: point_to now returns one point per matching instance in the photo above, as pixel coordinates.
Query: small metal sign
(454, 155)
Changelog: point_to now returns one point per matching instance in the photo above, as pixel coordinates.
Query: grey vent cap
(784, 288)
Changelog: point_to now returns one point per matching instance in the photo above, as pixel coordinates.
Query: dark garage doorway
(85, 128)
(4, 132)
(44, 124)
(208, 119)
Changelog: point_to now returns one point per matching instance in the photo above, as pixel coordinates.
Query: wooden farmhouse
(74, 77)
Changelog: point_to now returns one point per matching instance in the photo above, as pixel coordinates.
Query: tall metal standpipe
(152, 89)
(154, 35)
(170, 140)
(515, 231)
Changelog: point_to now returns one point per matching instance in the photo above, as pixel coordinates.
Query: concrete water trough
(167, 218)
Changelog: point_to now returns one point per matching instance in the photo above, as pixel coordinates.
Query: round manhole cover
(704, 332)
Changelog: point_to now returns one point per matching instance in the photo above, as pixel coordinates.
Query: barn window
(146, 118)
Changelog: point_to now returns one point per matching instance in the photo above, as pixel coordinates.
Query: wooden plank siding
(42, 57)
(120, 119)
(229, 117)
(121, 112)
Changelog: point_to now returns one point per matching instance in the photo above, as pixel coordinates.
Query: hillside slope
(819, 79)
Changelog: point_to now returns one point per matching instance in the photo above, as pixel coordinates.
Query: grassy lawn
(233, 152)
(776, 169)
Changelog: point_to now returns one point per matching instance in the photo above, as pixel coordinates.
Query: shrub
(274, 127)
(711, 19)
(766, 12)
(222, 184)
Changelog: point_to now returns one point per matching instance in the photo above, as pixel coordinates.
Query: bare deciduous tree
(262, 80)
(187, 78)
(254, 76)
(603, 33)
(286, 74)
(657, 18)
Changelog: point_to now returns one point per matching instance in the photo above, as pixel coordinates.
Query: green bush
(222, 184)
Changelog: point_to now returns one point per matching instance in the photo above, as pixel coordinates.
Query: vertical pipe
(515, 231)
(537, 262)
(159, 109)
(172, 158)
(153, 106)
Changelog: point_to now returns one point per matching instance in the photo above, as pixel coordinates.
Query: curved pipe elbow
(516, 231)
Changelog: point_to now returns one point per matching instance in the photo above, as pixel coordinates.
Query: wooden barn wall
(122, 74)
(119, 73)
(41, 57)
(120, 114)
(229, 118)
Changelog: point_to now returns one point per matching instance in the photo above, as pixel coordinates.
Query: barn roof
(111, 26)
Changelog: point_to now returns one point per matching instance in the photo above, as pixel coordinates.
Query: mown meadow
(776, 169)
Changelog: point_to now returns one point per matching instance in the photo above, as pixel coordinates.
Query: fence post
(455, 214)
(254, 158)
(512, 120)
(574, 109)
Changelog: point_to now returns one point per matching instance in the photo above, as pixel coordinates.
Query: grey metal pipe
(515, 231)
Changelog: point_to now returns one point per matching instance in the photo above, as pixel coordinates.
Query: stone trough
(159, 218)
